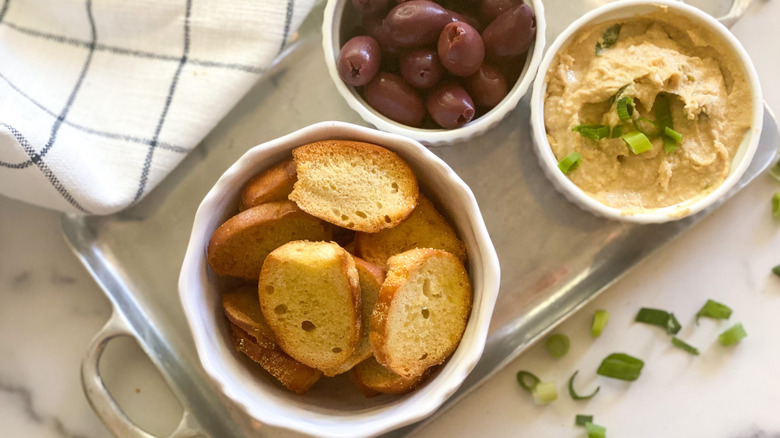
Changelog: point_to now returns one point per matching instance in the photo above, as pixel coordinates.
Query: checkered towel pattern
(101, 99)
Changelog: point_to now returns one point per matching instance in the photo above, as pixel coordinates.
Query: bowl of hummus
(646, 111)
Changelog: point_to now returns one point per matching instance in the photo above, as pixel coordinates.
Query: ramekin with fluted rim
(328, 409)
(628, 9)
(331, 44)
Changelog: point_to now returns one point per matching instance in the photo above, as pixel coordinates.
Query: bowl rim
(665, 214)
(330, 46)
(192, 289)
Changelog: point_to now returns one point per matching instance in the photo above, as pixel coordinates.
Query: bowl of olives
(435, 71)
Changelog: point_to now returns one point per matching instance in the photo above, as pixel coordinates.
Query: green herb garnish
(663, 112)
(600, 319)
(637, 142)
(733, 335)
(647, 127)
(776, 205)
(593, 132)
(659, 317)
(595, 431)
(776, 270)
(715, 310)
(580, 420)
(574, 394)
(527, 380)
(570, 163)
(619, 92)
(672, 134)
(617, 131)
(621, 366)
(679, 343)
(608, 39)
(625, 108)
(558, 345)
(775, 171)
(545, 393)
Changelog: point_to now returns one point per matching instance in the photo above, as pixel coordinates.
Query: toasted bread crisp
(373, 379)
(273, 185)
(294, 375)
(240, 245)
(424, 228)
(310, 296)
(242, 308)
(359, 186)
(421, 312)
(371, 279)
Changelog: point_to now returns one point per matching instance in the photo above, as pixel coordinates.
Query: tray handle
(101, 400)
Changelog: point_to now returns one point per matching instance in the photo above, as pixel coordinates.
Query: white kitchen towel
(101, 99)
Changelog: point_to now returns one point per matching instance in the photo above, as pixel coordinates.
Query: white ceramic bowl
(333, 408)
(332, 42)
(627, 9)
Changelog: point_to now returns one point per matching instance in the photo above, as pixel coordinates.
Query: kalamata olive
(359, 61)
(450, 106)
(460, 49)
(487, 87)
(376, 29)
(421, 68)
(393, 97)
(371, 7)
(416, 23)
(476, 24)
(511, 33)
(490, 9)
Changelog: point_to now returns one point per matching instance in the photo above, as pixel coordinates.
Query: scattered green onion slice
(663, 112)
(637, 142)
(558, 345)
(776, 205)
(600, 319)
(674, 135)
(617, 131)
(570, 163)
(775, 171)
(733, 335)
(647, 127)
(595, 431)
(621, 366)
(669, 144)
(608, 39)
(659, 317)
(574, 395)
(545, 393)
(679, 343)
(715, 310)
(593, 132)
(776, 270)
(619, 92)
(625, 108)
(527, 380)
(580, 420)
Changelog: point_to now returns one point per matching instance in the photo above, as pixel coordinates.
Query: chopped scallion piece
(570, 163)
(776, 205)
(625, 108)
(580, 420)
(545, 393)
(527, 380)
(621, 366)
(663, 112)
(593, 132)
(776, 270)
(574, 394)
(608, 39)
(715, 310)
(595, 431)
(775, 171)
(674, 135)
(669, 144)
(647, 127)
(733, 335)
(558, 345)
(679, 343)
(620, 91)
(659, 317)
(617, 131)
(637, 142)
(600, 319)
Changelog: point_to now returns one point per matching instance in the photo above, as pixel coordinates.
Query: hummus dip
(661, 54)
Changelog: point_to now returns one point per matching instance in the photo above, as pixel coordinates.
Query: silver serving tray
(555, 258)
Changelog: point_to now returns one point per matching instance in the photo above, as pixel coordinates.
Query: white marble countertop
(50, 308)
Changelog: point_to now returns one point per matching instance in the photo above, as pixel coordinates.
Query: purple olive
(466, 18)
(511, 33)
(393, 97)
(461, 50)
(371, 7)
(421, 68)
(487, 86)
(490, 9)
(376, 29)
(450, 106)
(416, 23)
(359, 61)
